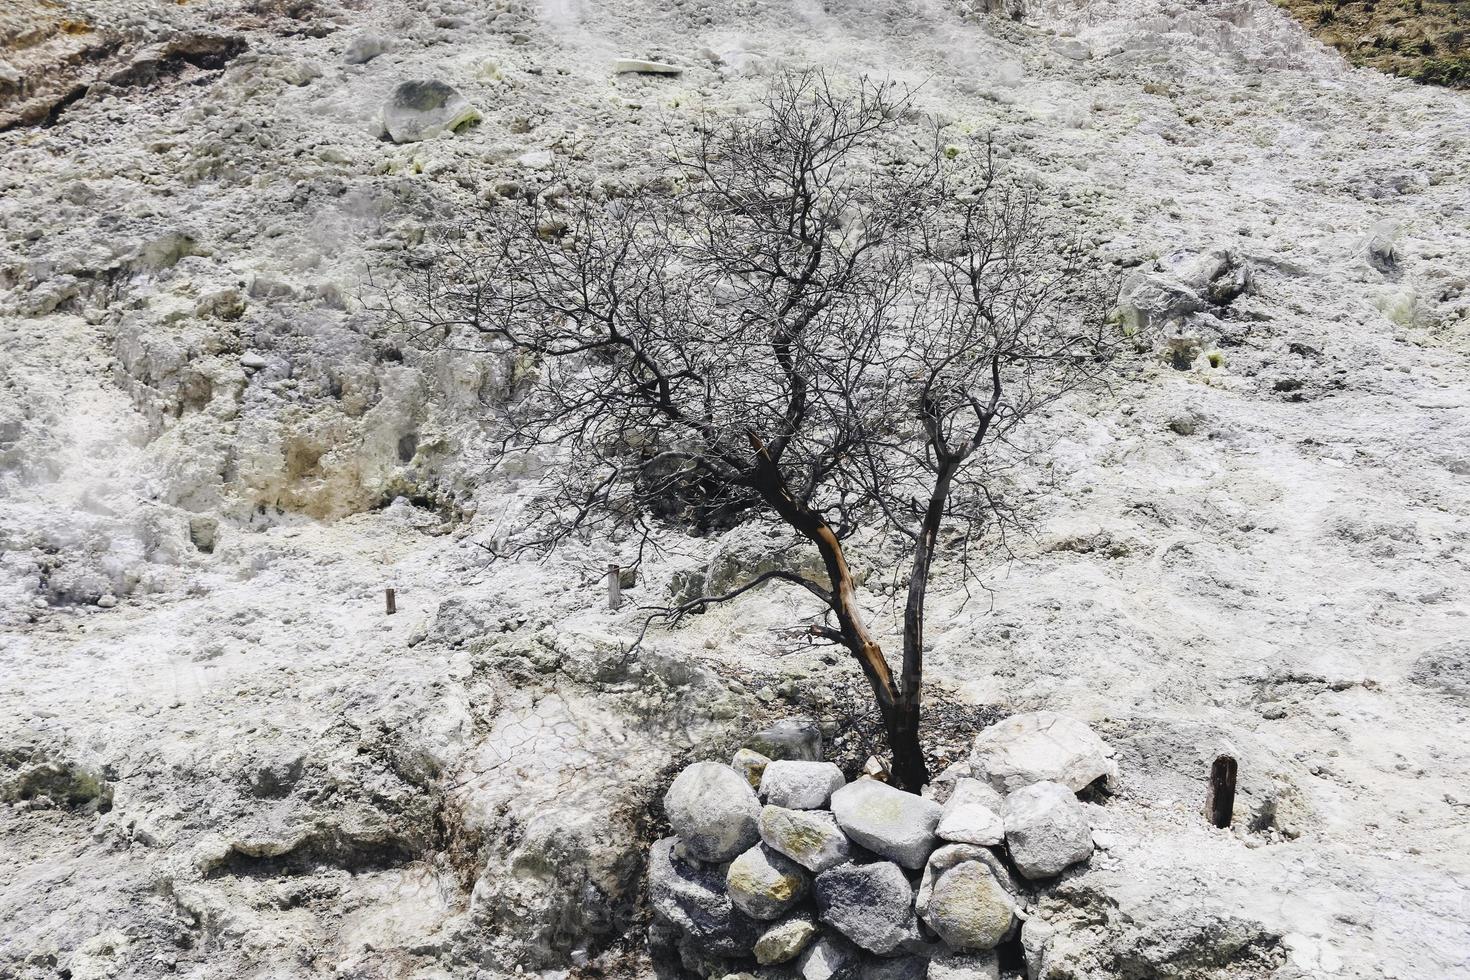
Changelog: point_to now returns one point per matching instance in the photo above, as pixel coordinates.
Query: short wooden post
(614, 586)
(1220, 797)
(392, 601)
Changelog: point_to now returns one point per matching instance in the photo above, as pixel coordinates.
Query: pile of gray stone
(781, 868)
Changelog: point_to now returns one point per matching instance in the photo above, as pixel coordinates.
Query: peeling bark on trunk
(898, 707)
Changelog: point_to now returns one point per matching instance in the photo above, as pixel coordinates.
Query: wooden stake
(1220, 797)
(614, 587)
(392, 602)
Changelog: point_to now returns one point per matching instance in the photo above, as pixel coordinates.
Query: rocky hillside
(219, 756)
(1426, 40)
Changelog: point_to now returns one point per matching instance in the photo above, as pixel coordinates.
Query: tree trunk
(909, 769)
(898, 708)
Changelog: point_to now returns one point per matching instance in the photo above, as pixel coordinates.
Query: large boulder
(1379, 249)
(1046, 830)
(871, 904)
(764, 883)
(889, 822)
(799, 785)
(418, 110)
(713, 810)
(1041, 747)
(811, 838)
(791, 738)
(969, 908)
(785, 940)
(745, 552)
(1150, 300)
(692, 898)
(972, 815)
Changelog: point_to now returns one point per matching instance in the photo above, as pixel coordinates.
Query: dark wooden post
(1220, 797)
(614, 586)
(392, 602)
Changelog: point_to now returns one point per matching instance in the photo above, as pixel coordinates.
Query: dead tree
(828, 324)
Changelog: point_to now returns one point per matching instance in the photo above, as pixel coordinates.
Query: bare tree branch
(825, 330)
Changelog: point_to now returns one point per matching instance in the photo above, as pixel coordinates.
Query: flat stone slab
(889, 822)
(641, 67)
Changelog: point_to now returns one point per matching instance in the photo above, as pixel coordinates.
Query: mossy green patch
(1426, 40)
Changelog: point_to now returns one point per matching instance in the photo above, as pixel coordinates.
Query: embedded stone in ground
(1036, 935)
(790, 738)
(642, 66)
(418, 110)
(1042, 746)
(364, 48)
